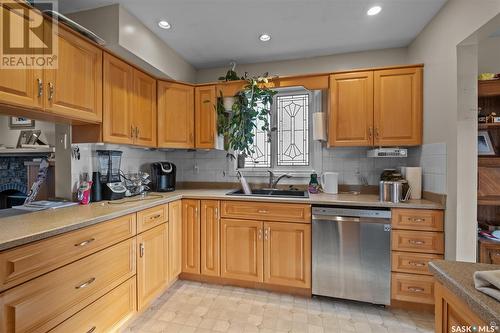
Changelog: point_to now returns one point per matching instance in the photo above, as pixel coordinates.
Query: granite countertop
(457, 276)
(22, 229)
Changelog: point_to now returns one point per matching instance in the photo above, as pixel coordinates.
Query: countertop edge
(173, 197)
(463, 293)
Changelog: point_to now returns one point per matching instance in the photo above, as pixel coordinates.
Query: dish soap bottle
(313, 183)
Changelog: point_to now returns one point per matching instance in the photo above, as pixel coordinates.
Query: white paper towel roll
(414, 177)
(319, 129)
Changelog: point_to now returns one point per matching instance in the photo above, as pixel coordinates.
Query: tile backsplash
(216, 166)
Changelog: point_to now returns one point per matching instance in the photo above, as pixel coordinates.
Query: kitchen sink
(272, 193)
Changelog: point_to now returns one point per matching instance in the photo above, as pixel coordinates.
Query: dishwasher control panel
(352, 212)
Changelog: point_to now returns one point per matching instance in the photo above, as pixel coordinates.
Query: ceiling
(211, 33)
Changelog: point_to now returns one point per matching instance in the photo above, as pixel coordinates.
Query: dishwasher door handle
(330, 218)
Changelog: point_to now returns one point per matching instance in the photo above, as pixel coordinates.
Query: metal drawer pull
(157, 216)
(85, 242)
(85, 284)
(266, 234)
(92, 329)
(51, 90)
(417, 264)
(260, 234)
(416, 242)
(417, 219)
(40, 87)
(262, 211)
(416, 289)
(141, 250)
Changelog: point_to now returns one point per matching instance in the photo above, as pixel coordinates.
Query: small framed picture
(484, 144)
(21, 122)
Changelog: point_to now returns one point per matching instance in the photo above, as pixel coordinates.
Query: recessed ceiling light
(374, 10)
(265, 37)
(164, 24)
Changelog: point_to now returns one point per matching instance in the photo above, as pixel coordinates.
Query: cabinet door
(191, 236)
(210, 238)
(398, 107)
(174, 239)
(152, 264)
(287, 254)
(144, 118)
(74, 88)
(205, 117)
(175, 115)
(117, 101)
(22, 87)
(350, 121)
(241, 250)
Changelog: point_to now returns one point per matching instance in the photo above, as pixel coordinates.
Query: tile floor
(194, 307)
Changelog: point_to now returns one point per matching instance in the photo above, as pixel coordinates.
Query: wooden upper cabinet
(205, 117)
(22, 87)
(210, 237)
(175, 115)
(242, 250)
(152, 264)
(144, 109)
(117, 101)
(398, 107)
(174, 240)
(351, 109)
(287, 254)
(74, 89)
(191, 236)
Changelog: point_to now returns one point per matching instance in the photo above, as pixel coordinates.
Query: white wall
(436, 47)
(336, 62)
(489, 55)
(8, 137)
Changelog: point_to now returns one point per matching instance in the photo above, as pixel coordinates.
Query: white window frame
(315, 147)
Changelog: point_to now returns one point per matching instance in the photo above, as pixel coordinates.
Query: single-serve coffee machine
(163, 176)
(109, 169)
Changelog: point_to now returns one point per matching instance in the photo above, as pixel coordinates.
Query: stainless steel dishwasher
(351, 253)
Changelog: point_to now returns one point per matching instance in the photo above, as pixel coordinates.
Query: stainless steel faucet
(273, 182)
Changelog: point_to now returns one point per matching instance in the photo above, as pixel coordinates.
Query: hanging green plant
(252, 103)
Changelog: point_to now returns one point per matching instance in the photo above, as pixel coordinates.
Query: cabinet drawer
(151, 217)
(413, 288)
(417, 219)
(107, 314)
(43, 303)
(418, 241)
(26, 262)
(415, 263)
(267, 211)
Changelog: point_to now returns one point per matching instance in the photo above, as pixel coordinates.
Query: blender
(109, 169)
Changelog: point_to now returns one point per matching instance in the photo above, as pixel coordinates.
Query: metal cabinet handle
(260, 234)
(141, 250)
(266, 233)
(416, 289)
(92, 329)
(416, 264)
(376, 132)
(217, 213)
(416, 242)
(370, 132)
(86, 283)
(131, 131)
(262, 211)
(40, 87)
(51, 90)
(417, 219)
(154, 217)
(85, 242)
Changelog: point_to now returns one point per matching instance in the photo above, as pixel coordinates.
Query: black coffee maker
(163, 176)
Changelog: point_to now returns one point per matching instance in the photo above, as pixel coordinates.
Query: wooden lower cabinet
(174, 240)
(287, 254)
(107, 314)
(210, 238)
(242, 250)
(43, 303)
(191, 236)
(152, 264)
(451, 312)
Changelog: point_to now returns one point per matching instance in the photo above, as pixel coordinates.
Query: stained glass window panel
(293, 130)
(261, 158)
